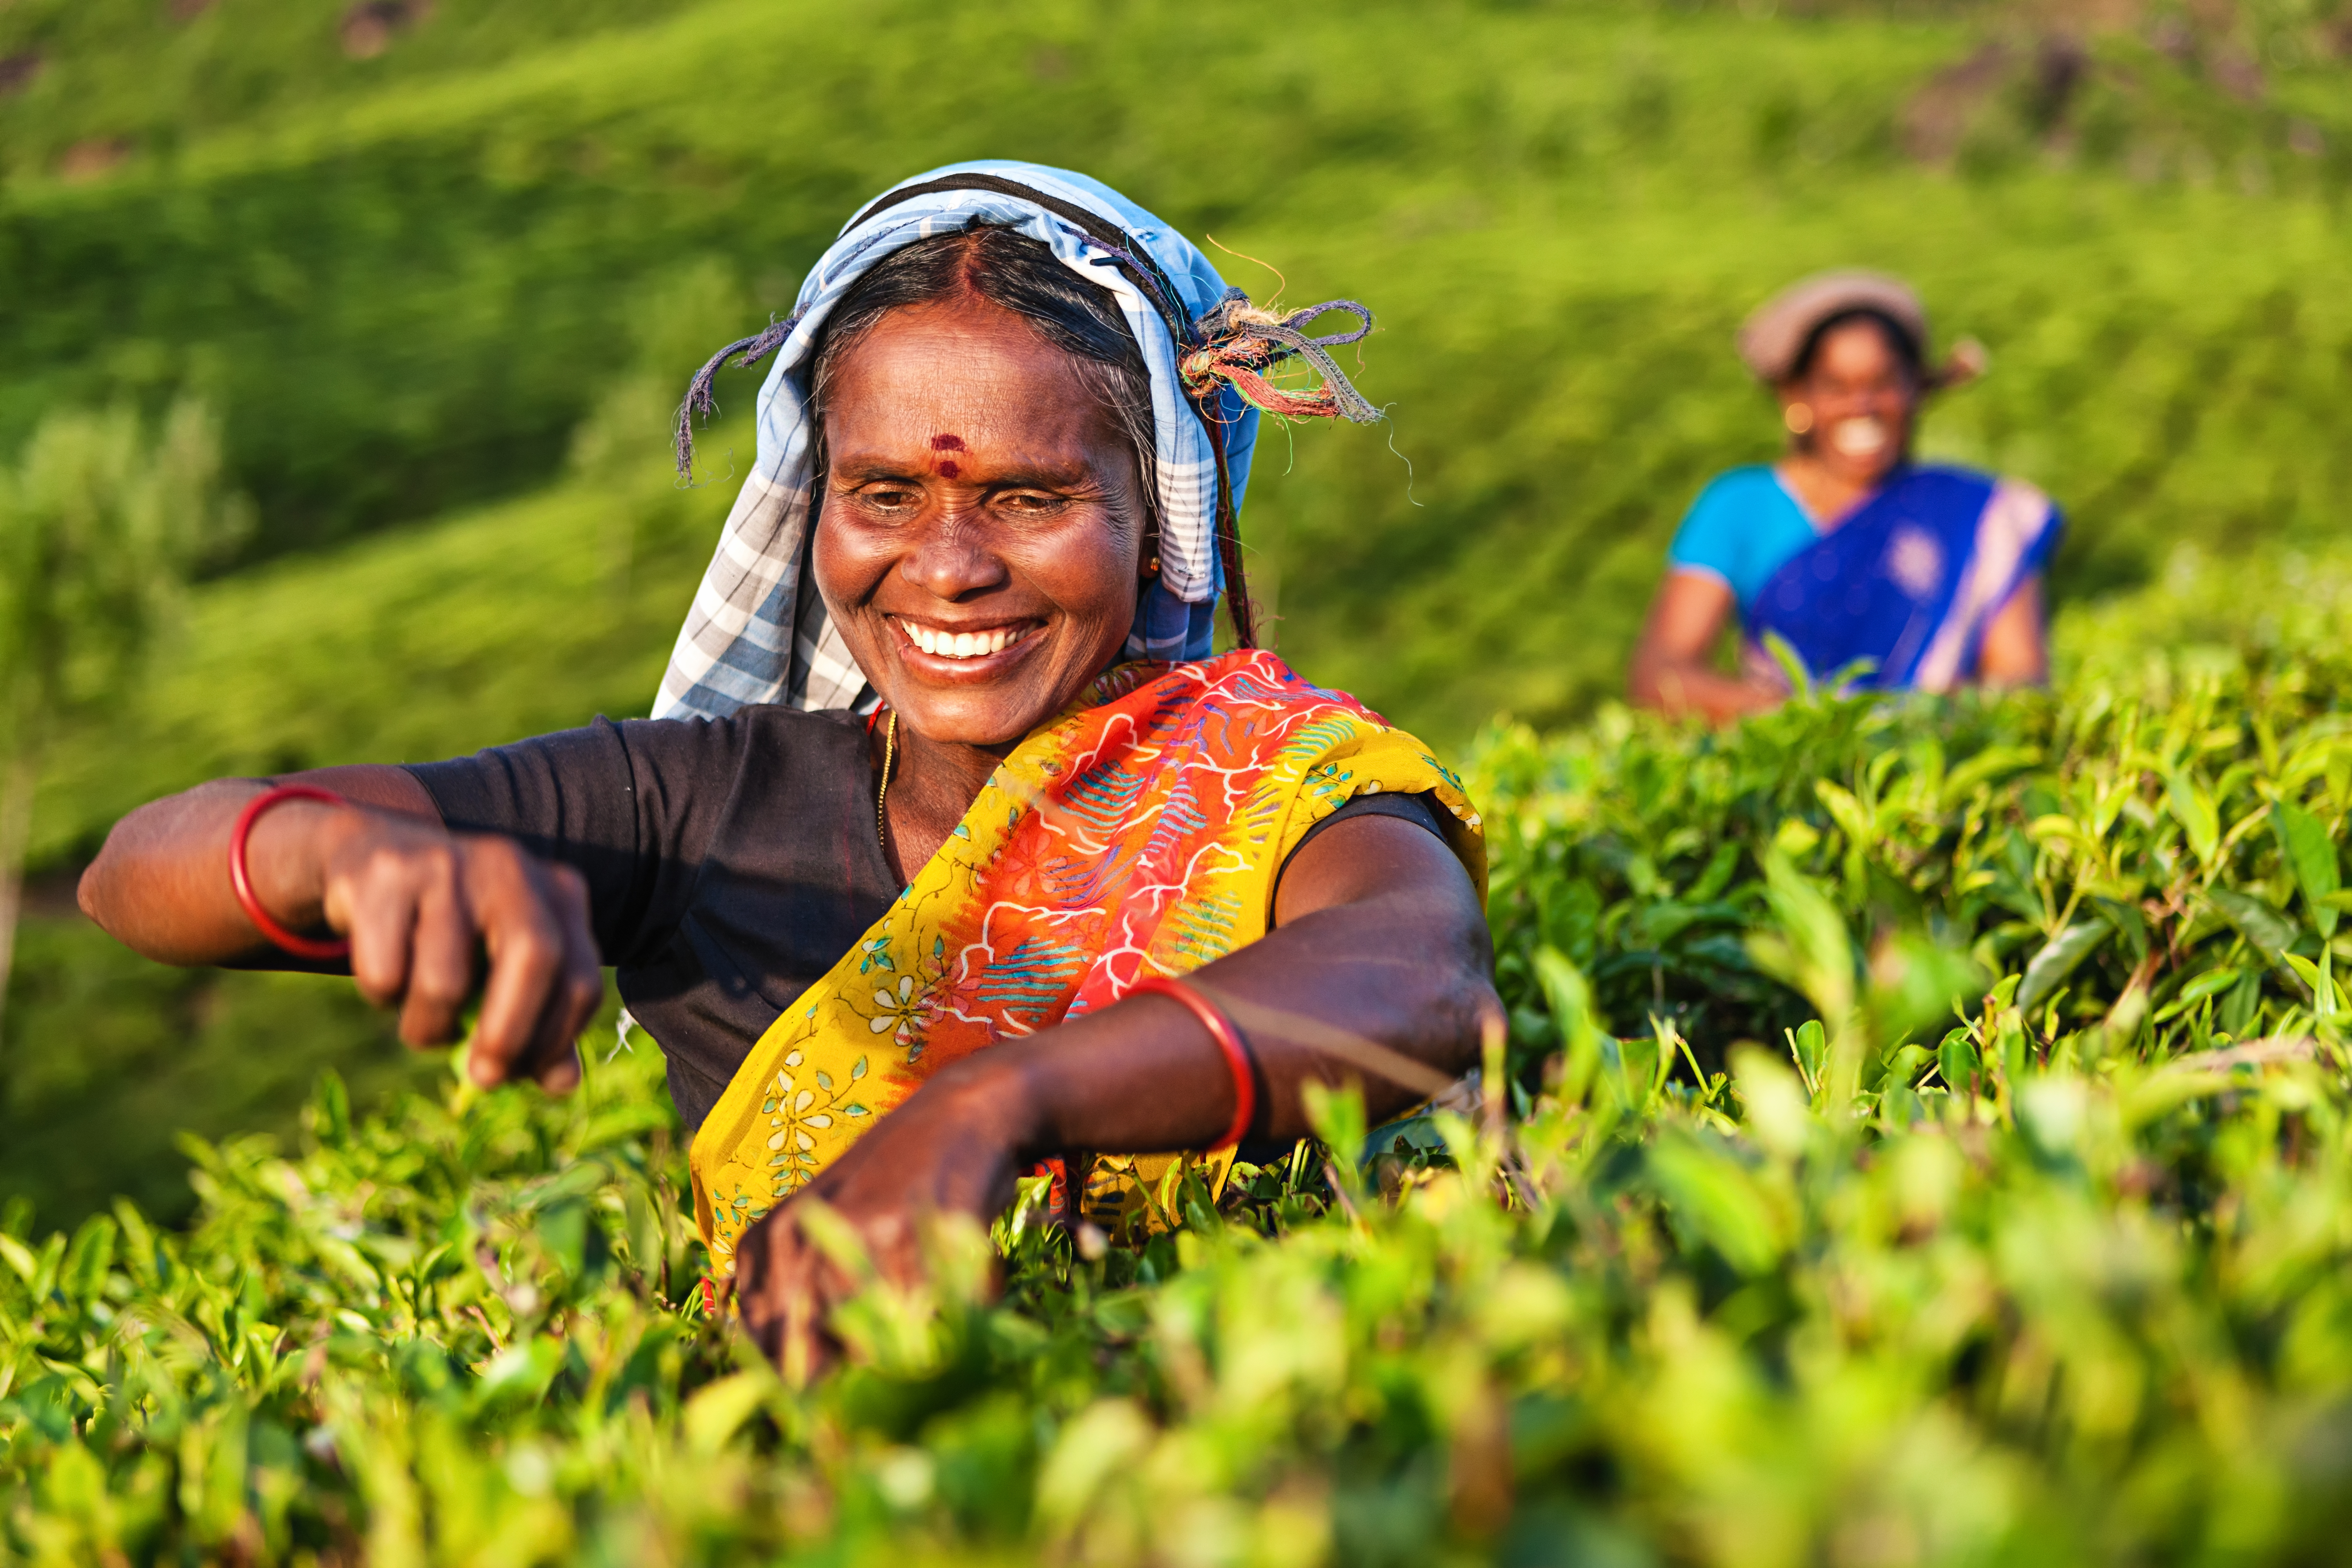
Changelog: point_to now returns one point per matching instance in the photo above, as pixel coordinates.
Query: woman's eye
(1028, 504)
(890, 498)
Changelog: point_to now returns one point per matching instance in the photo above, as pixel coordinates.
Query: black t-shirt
(730, 862)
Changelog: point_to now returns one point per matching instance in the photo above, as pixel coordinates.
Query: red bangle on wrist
(241, 881)
(1229, 1040)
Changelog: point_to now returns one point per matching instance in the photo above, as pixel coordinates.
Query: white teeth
(961, 644)
(1858, 437)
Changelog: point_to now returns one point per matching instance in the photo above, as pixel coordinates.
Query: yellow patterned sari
(1139, 833)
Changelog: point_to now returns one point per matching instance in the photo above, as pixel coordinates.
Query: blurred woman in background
(1872, 569)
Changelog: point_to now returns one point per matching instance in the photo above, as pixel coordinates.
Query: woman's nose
(952, 560)
(1879, 400)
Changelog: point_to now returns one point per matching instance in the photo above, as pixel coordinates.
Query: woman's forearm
(1405, 968)
(2016, 650)
(433, 917)
(1670, 668)
(1678, 688)
(160, 884)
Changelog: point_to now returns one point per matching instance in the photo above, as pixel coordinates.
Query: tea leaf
(2305, 846)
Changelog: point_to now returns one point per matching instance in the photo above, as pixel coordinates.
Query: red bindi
(948, 470)
(948, 444)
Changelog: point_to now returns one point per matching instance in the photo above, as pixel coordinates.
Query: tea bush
(1921, 1137)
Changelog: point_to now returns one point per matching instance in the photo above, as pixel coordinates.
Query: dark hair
(1020, 275)
(1898, 337)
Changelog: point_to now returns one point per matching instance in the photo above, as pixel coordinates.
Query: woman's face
(980, 538)
(1853, 408)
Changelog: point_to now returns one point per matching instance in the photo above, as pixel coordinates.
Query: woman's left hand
(951, 1149)
(1380, 939)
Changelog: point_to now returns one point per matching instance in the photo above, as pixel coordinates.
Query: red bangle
(242, 883)
(1229, 1040)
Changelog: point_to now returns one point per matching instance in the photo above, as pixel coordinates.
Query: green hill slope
(405, 299)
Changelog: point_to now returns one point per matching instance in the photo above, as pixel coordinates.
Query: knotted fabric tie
(1240, 343)
(700, 395)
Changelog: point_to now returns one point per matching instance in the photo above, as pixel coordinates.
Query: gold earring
(1151, 567)
(1798, 417)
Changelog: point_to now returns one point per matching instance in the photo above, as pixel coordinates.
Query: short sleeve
(1418, 809)
(1744, 527)
(630, 807)
(1710, 536)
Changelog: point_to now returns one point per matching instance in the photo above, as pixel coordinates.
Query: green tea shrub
(1921, 1137)
(2111, 850)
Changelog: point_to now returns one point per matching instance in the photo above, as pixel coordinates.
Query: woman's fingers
(422, 908)
(785, 1287)
(579, 988)
(771, 1269)
(379, 916)
(525, 942)
(877, 1203)
(396, 893)
(441, 961)
(546, 978)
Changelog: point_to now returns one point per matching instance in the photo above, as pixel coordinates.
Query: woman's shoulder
(686, 753)
(1742, 526)
(753, 726)
(689, 755)
(1741, 494)
(1251, 676)
(1247, 697)
(1746, 481)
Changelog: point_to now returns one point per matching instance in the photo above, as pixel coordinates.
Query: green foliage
(1924, 1138)
(421, 643)
(101, 522)
(111, 1057)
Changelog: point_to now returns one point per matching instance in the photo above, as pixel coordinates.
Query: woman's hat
(1777, 333)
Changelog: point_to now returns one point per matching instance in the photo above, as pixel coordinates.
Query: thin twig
(2252, 1053)
(1348, 1046)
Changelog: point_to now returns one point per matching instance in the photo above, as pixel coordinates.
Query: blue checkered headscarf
(758, 632)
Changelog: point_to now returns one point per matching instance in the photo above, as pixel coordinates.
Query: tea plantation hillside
(1761, 1252)
(406, 279)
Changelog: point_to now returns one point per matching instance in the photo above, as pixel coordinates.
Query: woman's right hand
(432, 916)
(425, 910)
(1672, 668)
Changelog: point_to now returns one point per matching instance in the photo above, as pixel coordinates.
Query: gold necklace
(882, 793)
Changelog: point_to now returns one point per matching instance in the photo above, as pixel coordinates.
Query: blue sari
(1906, 585)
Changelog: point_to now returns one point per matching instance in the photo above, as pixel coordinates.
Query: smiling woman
(952, 851)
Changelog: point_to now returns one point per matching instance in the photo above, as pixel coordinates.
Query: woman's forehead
(948, 380)
(1858, 347)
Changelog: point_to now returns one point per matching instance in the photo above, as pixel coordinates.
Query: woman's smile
(967, 650)
(1860, 438)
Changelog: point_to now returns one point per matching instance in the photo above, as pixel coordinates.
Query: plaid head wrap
(758, 631)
